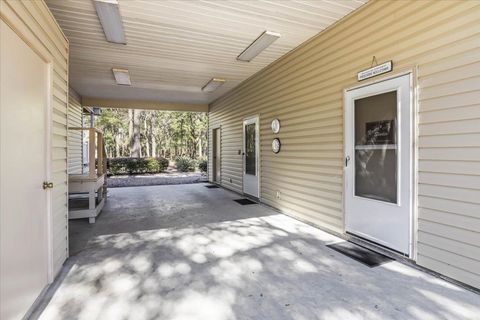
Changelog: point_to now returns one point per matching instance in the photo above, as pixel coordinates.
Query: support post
(99, 153)
(91, 153)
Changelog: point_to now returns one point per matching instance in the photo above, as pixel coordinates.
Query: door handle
(47, 185)
(347, 159)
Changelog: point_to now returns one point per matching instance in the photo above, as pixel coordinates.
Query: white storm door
(251, 146)
(378, 159)
(23, 169)
(216, 155)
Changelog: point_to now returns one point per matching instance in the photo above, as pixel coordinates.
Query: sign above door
(375, 71)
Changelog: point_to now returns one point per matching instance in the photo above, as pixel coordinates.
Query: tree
(153, 133)
(112, 123)
(135, 145)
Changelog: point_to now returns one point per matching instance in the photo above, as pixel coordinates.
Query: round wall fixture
(276, 145)
(276, 126)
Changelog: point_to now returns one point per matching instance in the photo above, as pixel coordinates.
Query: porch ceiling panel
(175, 47)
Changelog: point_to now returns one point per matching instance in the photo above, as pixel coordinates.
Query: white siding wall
(75, 150)
(304, 89)
(34, 18)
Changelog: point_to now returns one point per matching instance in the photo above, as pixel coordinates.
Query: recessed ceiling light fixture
(109, 16)
(122, 76)
(257, 46)
(213, 84)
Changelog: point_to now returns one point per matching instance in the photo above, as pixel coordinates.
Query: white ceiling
(174, 47)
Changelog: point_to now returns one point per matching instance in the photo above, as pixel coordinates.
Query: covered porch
(345, 121)
(191, 252)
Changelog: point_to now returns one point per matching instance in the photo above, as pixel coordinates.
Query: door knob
(47, 185)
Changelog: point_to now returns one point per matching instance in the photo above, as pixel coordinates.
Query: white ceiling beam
(142, 104)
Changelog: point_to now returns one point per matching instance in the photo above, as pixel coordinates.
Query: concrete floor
(187, 252)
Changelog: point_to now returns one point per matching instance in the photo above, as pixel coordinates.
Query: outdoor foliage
(141, 133)
(117, 166)
(185, 164)
(203, 164)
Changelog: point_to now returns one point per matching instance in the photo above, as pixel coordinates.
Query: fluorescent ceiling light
(213, 84)
(122, 76)
(109, 16)
(257, 46)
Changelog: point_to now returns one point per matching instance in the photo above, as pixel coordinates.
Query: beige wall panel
(447, 269)
(456, 141)
(456, 167)
(458, 100)
(452, 219)
(34, 18)
(453, 114)
(458, 207)
(75, 150)
(453, 180)
(442, 262)
(440, 41)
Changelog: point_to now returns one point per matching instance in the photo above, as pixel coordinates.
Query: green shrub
(117, 166)
(164, 163)
(203, 164)
(185, 164)
(155, 165)
(134, 165)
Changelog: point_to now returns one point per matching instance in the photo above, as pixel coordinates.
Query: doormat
(361, 254)
(245, 201)
(212, 186)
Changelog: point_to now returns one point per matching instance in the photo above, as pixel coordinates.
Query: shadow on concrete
(159, 207)
(250, 263)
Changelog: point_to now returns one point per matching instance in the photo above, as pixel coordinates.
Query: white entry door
(216, 156)
(251, 152)
(378, 159)
(23, 169)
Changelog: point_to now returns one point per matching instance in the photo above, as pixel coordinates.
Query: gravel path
(156, 179)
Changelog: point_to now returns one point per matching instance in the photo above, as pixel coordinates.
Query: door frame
(413, 163)
(215, 146)
(255, 117)
(32, 41)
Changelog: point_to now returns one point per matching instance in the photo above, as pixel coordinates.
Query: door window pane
(250, 152)
(376, 147)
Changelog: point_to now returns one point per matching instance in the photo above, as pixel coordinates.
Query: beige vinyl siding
(74, 136)
(449, 165)
(440, 42)
(34, 18)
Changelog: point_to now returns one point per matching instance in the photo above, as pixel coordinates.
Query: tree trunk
(130, 130)
(154, 145)
(147, 137)
(200, 151)
(117, 146)
(136, 147)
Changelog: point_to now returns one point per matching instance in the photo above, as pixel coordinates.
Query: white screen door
(378, 172)
(23, 169)
(216, 155)
(251, 145)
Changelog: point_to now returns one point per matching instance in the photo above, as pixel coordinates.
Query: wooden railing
(97, 156)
